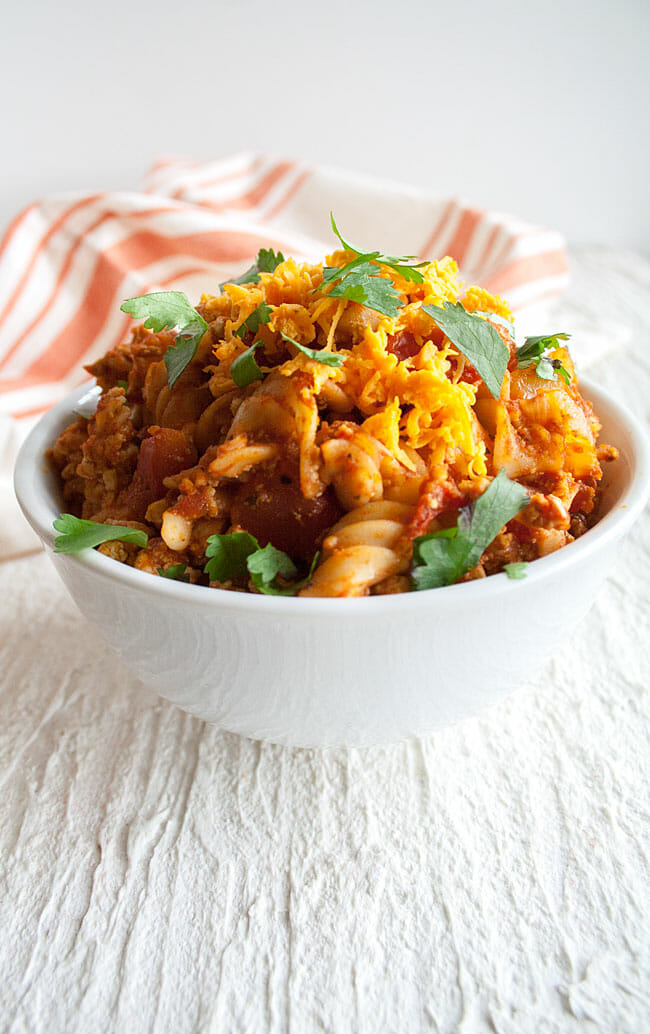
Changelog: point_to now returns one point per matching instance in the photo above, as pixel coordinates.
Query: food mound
(359, 428)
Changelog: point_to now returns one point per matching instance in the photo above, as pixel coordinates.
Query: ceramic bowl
(329, 672)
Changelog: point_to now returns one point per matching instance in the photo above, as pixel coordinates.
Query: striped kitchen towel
(67, 262)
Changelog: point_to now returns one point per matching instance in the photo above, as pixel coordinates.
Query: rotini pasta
(335, 419)
(365, 548)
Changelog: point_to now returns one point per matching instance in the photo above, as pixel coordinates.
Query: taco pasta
(329, 430)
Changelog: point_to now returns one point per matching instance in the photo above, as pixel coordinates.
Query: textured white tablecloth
(161, 875)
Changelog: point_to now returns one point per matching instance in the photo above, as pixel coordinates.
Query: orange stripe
(36, 411)
(526, 270)
(42, 244)
(500, 255)
(441, 225)
(135, 252)
(508, 245)
(17, 383)
(489, 244)
(250, 199)
(461, 240)
(254, 196)
(162, 163)
(244, 171)
(127, 321)
(166, 163)
(291, 193)
(178, 275)
(63, 272)
(30, 380)
(159, 167)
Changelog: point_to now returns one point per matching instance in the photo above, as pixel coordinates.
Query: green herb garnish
(318, 355)
(252, 323)
(123, 385)
(77, 534)
(228, 555)
(532, 352)
(170, 310)
(516, 570)
(360, 279)
(239, 555)
(367, 288)
(244, 369)
(175, 571)
(443, 557)
(264, 566)
(400, 263)
(476, 339)
(267, 261)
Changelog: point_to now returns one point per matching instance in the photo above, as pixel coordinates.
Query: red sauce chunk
(165, 452)
(403, 345)
(272, 508)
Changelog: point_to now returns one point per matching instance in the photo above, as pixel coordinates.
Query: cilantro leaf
(244, 369)
(266, 564)
(361, 264)
(179, 356)
(239, 555)
(175, 571)
(267, 261)
(318, 355)
(506, 322)
(516, 570)
(271, 588)
(533, 347)
(442, 557)
(228, 555)
(545, 369)
(532, 353)
(77, 534)
(123, 385)
(476, 339)
(394, 261)
(170, 310)
(368, 288)
(411, 273)
(360, 279)
(346, 245)
(163, 309)
(260, 315)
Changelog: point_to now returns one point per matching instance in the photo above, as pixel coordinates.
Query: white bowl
(326, 672)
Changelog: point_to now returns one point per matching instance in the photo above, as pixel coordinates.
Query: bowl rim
(31, 473)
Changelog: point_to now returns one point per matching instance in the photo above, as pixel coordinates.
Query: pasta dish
(358, 427)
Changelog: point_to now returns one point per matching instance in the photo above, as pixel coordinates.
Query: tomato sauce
(272, 508)
(163, 453)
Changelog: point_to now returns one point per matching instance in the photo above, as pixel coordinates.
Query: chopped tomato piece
(165, 452)
(272, 508)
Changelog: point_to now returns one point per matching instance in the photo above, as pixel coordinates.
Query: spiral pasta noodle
(364, 549)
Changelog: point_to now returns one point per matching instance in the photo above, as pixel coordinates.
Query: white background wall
(540, 108)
